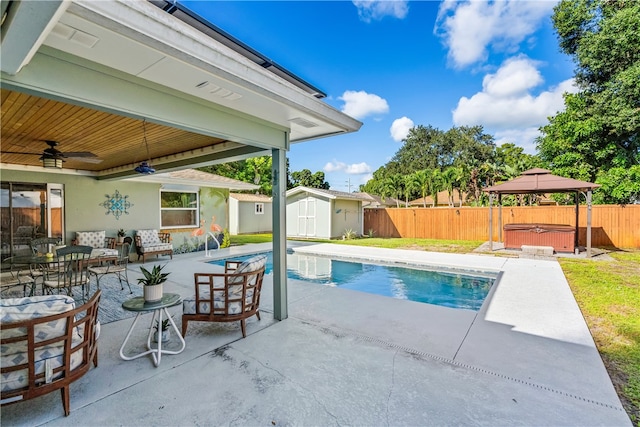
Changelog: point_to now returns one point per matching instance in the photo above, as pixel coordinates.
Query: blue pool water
(445, 288)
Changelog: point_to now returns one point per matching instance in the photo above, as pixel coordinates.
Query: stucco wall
(346, 215)
(84, 196)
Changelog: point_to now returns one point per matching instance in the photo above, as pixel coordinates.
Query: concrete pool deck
(346, 357)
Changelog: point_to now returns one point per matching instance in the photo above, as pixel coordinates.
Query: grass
(607, 292)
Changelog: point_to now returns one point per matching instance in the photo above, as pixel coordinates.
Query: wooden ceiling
(28, 121)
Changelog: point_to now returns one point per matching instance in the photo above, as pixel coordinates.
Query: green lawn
(608, 293)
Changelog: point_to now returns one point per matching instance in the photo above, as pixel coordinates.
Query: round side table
(159, 309)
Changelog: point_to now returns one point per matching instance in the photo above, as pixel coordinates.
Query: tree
(256, 170)
(599, 129)
(306, 178)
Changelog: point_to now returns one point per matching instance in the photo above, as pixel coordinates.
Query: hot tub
(559, 236)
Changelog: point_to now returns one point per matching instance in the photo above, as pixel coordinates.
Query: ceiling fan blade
(82, 156)
(20, 152)
(78, 154)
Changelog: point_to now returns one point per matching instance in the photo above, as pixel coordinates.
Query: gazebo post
(588, 223)
(490, 222)
(576, 240)
(500, 217)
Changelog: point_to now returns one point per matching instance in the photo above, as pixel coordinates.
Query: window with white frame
(179, 209)
(259, 208)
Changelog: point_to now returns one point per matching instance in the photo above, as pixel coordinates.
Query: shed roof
(331, 194)
(540, 181)
(262, 198)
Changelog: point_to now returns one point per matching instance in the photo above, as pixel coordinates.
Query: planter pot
(152, 293)
(166, 336)
(120, 239)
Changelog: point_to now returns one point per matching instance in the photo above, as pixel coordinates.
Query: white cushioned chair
(47, 343)
(231, 296)
(152, 242)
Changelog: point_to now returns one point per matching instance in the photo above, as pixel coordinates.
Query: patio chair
(16, 276)
(226, 297)
(73, 262)
(42, 245)
(152, 242)
(111, 266)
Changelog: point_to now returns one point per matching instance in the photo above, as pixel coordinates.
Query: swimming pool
(447, 288)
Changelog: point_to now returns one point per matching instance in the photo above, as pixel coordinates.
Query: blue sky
(398, 64)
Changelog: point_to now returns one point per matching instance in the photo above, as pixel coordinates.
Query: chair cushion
(95, 253)
(148, 237)
(189, 304)
(249, 265)
(20, 309)
(155, 247)
(95, 239)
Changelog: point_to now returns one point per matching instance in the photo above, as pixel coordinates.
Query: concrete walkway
(346, 357)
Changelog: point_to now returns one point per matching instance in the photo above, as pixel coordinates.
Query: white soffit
(83, 38)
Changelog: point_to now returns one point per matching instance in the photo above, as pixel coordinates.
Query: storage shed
(324, 214)
(249, 213)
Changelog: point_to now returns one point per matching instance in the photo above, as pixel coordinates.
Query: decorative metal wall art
(116, 204)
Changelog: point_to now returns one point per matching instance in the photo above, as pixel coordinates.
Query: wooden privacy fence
(612, 225)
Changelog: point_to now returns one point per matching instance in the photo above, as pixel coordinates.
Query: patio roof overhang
(86, 74)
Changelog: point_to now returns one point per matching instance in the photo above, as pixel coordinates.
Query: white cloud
(506, 101)
(362, 104)
(400, 128)
(352, 169)
(525, 138)
(375, 10)
(468, 28)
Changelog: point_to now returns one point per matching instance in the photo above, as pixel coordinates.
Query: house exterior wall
(346, 215)
(234, 216)
(84, 196)
(318, 225)
(247, 221)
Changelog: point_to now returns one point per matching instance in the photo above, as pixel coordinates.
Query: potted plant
(121, 234)
(162, 331)
(152, 283)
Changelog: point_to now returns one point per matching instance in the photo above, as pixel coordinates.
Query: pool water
(445, 288)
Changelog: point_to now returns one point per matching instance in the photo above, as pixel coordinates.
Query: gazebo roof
(540, 181)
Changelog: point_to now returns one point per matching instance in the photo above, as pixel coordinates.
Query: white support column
(279, 204)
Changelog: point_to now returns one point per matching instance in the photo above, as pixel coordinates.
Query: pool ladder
(206, 243)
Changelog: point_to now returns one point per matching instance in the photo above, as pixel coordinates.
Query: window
(259, 208)
(179, 209)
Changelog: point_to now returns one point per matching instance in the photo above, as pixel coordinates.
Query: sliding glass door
(29, 210)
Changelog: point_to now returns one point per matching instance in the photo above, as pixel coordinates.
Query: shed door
(307, 217)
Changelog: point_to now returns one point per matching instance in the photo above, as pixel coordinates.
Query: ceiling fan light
(51, 162)
(145, 169)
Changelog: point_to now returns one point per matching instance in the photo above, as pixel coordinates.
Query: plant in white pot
(162, 330)
(152, 283)
(121, 234)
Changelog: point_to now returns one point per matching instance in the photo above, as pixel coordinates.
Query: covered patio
(526, 358)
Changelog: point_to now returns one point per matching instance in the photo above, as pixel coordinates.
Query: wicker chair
(231, 296)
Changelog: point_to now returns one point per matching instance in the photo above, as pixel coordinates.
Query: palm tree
(393, 186)
(451, 179)
(417, 182)
(436, 185)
